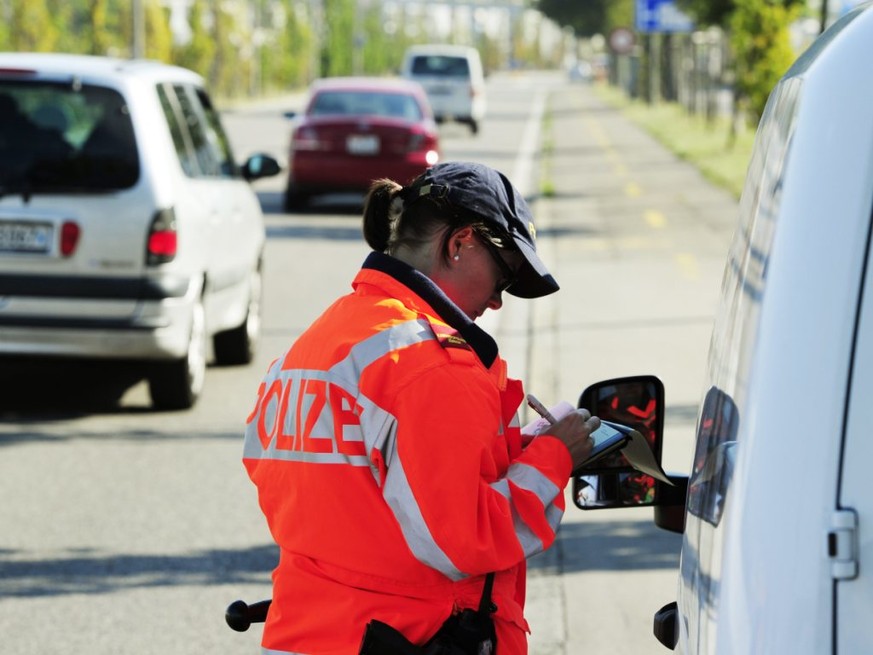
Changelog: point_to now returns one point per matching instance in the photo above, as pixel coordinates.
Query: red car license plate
(362, 144)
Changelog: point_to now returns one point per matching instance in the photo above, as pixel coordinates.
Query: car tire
(295, 199)
(238, 346)
(177, 384)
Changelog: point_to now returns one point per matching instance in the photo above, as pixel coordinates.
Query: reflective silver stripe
(399, 497)
(371, 349)
(531, 544)
(530, 479)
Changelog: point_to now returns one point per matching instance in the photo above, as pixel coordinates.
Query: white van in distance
(453, 79)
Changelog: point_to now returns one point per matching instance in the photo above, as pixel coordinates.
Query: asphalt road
(125, 530)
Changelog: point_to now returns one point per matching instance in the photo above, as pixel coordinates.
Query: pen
(540, 409)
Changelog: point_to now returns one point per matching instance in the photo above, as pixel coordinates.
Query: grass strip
(705, 145)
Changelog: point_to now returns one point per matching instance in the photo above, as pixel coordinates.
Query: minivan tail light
(17, 71)
(70, 232)
(162, 241)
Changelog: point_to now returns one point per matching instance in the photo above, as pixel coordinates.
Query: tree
(31, 27)
(159, 39)
(584, 17)
(708, 12)
(761, 43)
(96, 32)
(199, 51)
(289, 56)
(337, 52)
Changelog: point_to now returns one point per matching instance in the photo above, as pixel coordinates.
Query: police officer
(385, 444)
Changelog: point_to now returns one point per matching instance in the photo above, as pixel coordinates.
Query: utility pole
(138, 49)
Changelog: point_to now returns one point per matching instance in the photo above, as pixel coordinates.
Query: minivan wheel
(177, 384)
(238, 346)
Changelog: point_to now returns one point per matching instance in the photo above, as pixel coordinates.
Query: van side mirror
(638, 402)
(611, 481)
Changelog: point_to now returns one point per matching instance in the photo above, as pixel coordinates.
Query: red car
(358, 129)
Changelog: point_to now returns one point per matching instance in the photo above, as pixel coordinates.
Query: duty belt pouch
(469, 632)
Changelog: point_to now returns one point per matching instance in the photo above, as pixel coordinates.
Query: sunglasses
(508, 275)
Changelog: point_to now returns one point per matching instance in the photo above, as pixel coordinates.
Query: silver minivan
(128, 231)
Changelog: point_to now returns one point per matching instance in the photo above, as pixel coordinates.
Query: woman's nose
(496, 301)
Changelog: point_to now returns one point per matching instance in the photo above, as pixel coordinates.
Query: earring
(456, 257)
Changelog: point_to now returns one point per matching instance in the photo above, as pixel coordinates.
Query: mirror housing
(260, 165)
(636, 401)
(670, 504)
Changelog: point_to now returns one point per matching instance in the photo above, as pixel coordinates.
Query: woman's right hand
(574, 430)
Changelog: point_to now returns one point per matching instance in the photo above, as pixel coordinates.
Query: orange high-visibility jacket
(387, 455)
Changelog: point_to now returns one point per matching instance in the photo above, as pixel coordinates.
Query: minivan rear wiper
(23, 188)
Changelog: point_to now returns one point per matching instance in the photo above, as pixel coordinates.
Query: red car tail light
(416, 141)
(420, 140)
(425, 142)
(70, 232)
(162, 240)
(305, 138)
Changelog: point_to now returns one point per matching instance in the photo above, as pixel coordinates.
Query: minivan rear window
(440, 66)
(65, 138)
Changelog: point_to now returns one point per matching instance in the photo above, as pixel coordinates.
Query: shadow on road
(62, 389)
(97, 574)
(636, 545)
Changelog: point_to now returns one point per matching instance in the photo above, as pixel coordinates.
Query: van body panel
(756, 574)
(854, 597)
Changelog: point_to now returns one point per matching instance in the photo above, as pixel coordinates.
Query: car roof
(441, 49)
(94, 67)
(363, 83)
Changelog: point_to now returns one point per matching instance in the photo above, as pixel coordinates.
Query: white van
(777, 552)
(453, 79)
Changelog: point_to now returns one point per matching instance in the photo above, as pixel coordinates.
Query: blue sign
(661, 16)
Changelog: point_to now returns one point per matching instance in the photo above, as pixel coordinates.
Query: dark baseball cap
(488, 194)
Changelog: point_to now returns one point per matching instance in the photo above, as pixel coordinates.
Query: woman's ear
(461, 239)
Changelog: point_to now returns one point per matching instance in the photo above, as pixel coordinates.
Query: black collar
(480, 341)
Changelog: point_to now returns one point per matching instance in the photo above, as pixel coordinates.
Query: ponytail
(382, 208)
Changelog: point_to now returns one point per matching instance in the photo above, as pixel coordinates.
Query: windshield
(64, 138)
(441, 66)
(370, 103)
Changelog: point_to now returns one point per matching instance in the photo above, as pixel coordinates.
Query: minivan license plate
(362, 144)
(25, 237)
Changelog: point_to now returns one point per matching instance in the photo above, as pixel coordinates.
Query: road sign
(621, 40)
(661, 16)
